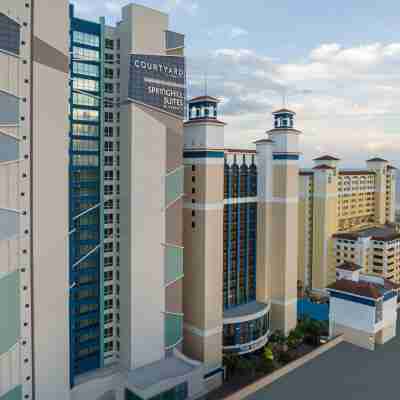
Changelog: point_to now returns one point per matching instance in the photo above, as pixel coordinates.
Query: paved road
(344, 373)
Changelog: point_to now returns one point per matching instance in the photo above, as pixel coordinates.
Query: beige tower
(278, 220)
(325, 221)
(203, 236)
(379, 166)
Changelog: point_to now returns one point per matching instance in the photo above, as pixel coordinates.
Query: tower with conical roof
(277, 233)
(203, 233)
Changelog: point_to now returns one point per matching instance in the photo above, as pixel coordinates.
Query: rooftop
(246, 309)
(377, 159)
(204, 98)
(344, 372)
(360, 288)
(323, 166)
(283, 110)
(327, 158)
(348, 266)
(385, 233)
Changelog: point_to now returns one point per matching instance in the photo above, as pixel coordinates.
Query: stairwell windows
(108, 304)
(89, 85)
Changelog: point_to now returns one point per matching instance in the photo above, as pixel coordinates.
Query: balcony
(173, 186)
(173, 264)
(173, 330)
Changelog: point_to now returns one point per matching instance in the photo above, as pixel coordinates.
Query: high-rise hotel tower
(34, 285)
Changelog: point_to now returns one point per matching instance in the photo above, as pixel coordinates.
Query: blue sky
(338, 61)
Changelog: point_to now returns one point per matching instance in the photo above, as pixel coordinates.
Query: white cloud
(189, 6)
(346, 98)
(228, 31)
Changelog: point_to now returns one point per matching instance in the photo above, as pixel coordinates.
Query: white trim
(11, 210)
(204, 161)
(203, 206)
(172, 245)
(9, 94)
(160, 82)
(284, 303)
(180, 277)
(181, 196)
(325, 195)
(86, 255)
(285, 200)
(202, 333)
(11, 162)
(10, 53)
(87, 211)
(174, 170)
(174, 345)
(10, 135)
(241, 200)
(172, 313)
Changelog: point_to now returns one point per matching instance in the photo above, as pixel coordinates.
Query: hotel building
(34, 284)
(240, 281)
(334, 202)
(75, 324)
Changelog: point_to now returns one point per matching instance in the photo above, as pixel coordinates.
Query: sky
(337, 62)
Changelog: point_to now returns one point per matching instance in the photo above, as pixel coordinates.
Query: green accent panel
(173, 264)
(173, 329)
(15, 394)
(9, 311)
(173, 186)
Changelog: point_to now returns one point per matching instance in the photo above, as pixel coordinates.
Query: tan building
(336, 201)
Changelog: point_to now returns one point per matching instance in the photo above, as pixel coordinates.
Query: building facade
(34, 265)
(363, 307)
(338, 201)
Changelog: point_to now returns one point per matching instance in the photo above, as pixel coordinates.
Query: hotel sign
(158, 81)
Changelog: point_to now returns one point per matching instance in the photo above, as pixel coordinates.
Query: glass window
(86, 115)
(109, 44)
(85, 130)
(86, 69)
(79, 53)
(86, 84)
(108, 73)
(86, 38)
(85, 100)
(85, 145)
(84, 160)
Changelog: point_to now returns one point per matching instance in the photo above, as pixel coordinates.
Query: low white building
(362, 307)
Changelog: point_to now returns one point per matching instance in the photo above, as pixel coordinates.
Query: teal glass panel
(8, 148)
(173, 329)
(131, 396)
(173, 264)
(9, 311)
(9, 109)
(173, 186)
(15, 394)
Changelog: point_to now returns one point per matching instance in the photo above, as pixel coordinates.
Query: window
(108, 304)
(109, 117)
(108, 102)
(86, 84)
(118, 44)
(85, 145)
(108, 261)
(108, 332)
(108, 73)
(84, 130)
(86, 115)
(85, 100)
(108, 161)
(108, 175)
(109, 131)
(108, 88)
(79, 53)
(108, 247)
(108, 190)
(86, 69)
(109, 44)
(109, 58)
(108, 347)
(108, 232)
(86, 38)
(108, 146)
(108, 276)
(108, 218)
(108, 290)
(108, 205)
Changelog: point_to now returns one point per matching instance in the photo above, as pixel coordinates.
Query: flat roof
(343, 372)
(384, 233)
(151, 374)
(246, 309)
